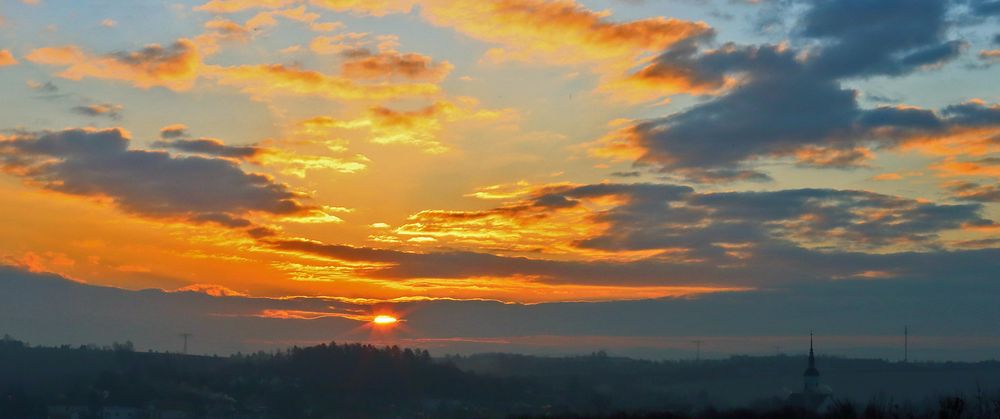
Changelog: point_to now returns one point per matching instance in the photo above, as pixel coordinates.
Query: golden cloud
(421, 127)
(393, 64)
(263, 81)
(6, 58)
(232, 6)
(174, 67)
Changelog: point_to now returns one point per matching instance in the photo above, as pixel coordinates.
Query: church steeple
(812, 356)
(811, 376)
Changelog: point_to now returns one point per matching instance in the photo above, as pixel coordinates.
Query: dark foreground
(361, 381)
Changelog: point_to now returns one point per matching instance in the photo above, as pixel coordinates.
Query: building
(813, 396)
(120, 412)
(67, 412)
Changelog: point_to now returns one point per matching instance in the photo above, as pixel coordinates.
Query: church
(813, 396)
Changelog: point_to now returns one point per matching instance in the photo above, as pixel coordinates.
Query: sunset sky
(522, 151)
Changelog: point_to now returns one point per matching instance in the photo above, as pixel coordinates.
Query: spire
(812, 357)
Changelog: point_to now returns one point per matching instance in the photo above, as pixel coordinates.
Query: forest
(355, 380)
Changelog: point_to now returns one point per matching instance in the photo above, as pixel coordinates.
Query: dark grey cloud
(47, 87)
(792, 103)
(174, 131)
(210, 147)
(666, 216)
(731, 239)
(870, 38)
(963, 305)
(108, 110)
(985, 7)
(151, 183)
(976, 192)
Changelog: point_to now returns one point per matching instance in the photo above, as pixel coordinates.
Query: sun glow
(384, 320)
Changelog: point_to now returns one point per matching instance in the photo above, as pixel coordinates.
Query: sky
(754, 159)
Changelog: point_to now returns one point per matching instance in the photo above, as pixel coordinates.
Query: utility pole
(906, 343)
(185, 336)
(697, 351)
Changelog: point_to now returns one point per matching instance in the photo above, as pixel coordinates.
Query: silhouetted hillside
(340, 380)
(354, 380)
(742, 380)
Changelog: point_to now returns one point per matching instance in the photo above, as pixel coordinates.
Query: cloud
(365, 64)
(176, 137)
(298, 14)
(174, 67)
(232, 6)
(337, 44)
(6, 58)
(986, 167)
(47, 87)
(675, 219)
(369, 7)
(174, 131)
(781, 104)
(910, 35)
(210, 147)
(213, 290)
(421, 127)
(263, 81)
(985, 8)
(975, 192)
(560, 32)
(219, 31)
(99, 163)
(108, 110)
(248, 324)
(668, 235)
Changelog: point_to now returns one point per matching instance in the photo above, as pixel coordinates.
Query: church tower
(811, 376)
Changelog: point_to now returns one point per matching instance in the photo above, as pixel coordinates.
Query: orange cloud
(887, 176)
(560, 32)
(990, 54)
(174, 67)
(298, 14)
(392, 64)
(520, 225)
(336, 44)
(984, 167)
(970, 141)
(211, 289)
(220, 30)
(6, 58)
(369, 7)
(619, 145)
(232, 6)
(833, 157)
(262, 81)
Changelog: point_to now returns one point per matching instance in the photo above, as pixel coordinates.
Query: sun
(383, 319)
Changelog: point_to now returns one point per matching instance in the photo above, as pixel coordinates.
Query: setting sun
(384, 320)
